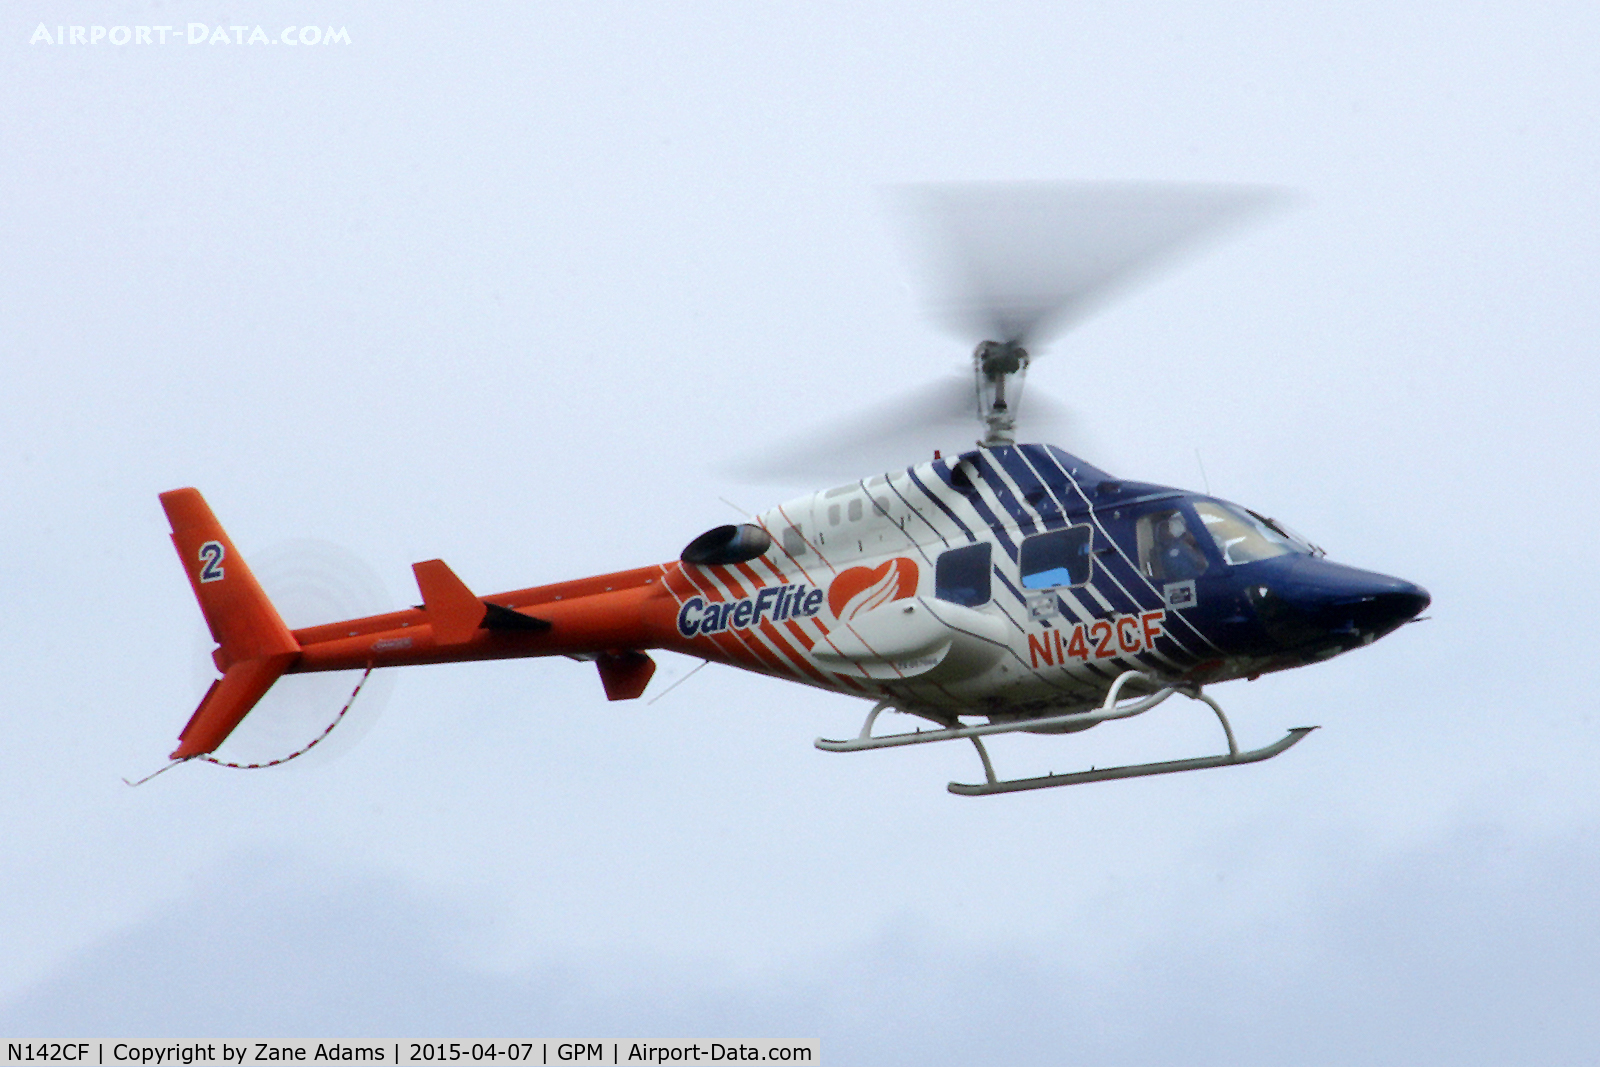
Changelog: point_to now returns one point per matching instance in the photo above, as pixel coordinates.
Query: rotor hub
(996, 359)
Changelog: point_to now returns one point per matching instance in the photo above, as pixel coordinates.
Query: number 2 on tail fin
(211, 554)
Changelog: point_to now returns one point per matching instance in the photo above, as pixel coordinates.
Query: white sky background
(506, 285)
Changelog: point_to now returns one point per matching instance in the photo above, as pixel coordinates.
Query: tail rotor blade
(312, 582)
(301, 583)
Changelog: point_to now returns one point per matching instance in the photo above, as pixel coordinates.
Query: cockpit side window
(1059, 557)
(1168, 550)
(1239, 536)
(961, 575)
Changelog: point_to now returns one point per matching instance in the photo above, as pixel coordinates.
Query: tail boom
(610, 618)
(629, 611)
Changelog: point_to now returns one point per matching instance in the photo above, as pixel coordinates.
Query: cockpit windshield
(1240, 536)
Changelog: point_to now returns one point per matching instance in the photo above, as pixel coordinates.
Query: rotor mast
(993, 363)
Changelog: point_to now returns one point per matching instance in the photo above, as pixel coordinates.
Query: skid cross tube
(1108, 710)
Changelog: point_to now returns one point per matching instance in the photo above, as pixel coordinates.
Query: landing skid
(1137, 770)
(1108, 711)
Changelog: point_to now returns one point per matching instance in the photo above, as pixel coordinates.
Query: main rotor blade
(1024, 261)
(895, 434)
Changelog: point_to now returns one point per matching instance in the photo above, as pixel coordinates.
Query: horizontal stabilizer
(453, 612)
(457, 615)
(500, 617)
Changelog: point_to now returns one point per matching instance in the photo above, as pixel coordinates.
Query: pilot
(1180, 554)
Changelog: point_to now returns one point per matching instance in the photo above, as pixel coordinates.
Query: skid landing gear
(1107, 711)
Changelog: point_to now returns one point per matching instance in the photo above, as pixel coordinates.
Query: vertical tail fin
(242, 619)
(255, 647)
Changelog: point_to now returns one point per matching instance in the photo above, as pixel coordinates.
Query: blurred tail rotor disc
(312, 582)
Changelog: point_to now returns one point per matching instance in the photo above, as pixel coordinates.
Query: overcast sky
(510, 284)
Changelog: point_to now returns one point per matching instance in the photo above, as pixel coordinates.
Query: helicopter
(1008, 587)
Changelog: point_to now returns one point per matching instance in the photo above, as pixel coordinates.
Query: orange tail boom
(610, 619)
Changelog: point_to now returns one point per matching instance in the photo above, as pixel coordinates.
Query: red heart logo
(864, 588)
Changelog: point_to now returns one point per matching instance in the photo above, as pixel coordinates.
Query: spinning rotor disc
(1009, 267)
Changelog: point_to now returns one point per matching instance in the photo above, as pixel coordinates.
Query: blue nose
(1314, 601)
(1380, 612)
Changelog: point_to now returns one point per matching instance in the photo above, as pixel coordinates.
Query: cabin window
(1168, 549)
(961, 575)
(1060, 557)
(855, 510)
(794, 541)
(833, 514)
(1239, 537)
